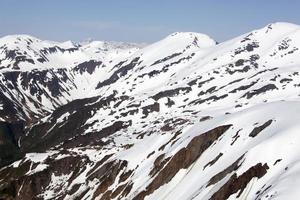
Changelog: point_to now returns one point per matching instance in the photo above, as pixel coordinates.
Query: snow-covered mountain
(38, 76)
(184, 118)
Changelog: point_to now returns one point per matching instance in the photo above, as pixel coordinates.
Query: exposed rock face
(238, 183)
(182, 159)
(210, 163)
(28, 186)
(9, 135)
(219, 176)
(88, 66)
(258, 129)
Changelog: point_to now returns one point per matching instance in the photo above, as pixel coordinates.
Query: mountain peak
(15, 39)
(279, 28)
(283, 25)
(199, 39)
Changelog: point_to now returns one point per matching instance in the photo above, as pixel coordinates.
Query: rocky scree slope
(183, 118)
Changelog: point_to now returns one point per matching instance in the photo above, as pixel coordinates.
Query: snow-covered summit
(198, 39)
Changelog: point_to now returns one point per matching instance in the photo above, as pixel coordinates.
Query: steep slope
(183, 118)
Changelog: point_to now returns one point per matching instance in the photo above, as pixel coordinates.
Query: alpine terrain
(185, 118)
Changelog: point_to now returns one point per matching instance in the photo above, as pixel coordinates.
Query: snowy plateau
(185, 118)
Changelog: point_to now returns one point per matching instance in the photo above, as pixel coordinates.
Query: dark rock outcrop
(258, 129)
(238, 183)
